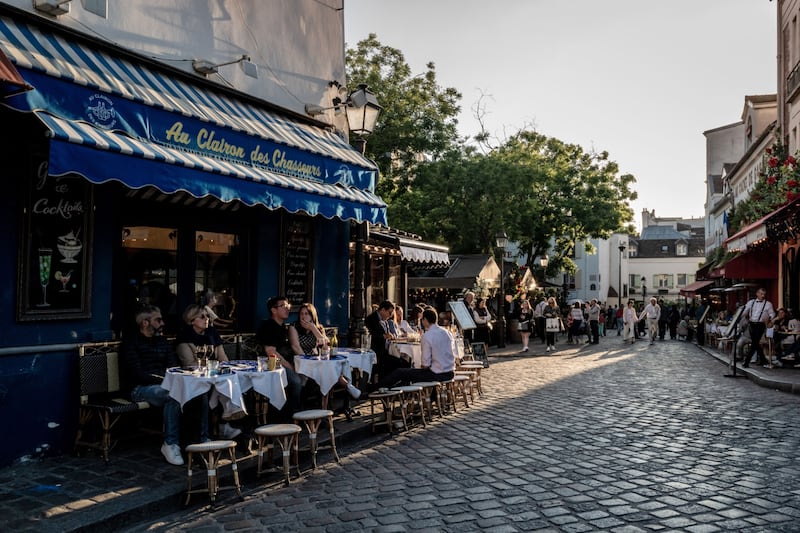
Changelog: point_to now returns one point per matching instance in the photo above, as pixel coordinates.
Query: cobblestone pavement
(595, 438)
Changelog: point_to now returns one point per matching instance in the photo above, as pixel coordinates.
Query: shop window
(376, 289)
(216, 275)
(153, 277)
(151, 271)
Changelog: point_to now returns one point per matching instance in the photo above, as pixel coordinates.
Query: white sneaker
(228, 432)
(354, 391)
(172, 453)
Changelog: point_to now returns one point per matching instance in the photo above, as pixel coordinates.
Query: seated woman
(197, 331)
(307, 337)
(403, 327)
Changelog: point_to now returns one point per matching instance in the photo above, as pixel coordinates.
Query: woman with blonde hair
(525, 324)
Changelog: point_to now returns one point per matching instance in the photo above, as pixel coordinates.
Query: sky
(639, 79)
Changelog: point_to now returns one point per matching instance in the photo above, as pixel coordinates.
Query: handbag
(525, 325)
(552, 325)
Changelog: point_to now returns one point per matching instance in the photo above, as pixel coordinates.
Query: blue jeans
(157, 395)
(295, 390)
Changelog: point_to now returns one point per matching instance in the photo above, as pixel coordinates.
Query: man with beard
(146, 355)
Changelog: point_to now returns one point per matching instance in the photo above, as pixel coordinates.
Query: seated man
(438, 356)
(273, 336)
(145, 357)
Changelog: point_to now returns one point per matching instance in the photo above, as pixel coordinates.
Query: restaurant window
(150, 262)
(152, 276)
(393, 280)
(216, 274)
(376, 290)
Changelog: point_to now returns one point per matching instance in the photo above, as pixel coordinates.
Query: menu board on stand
(54, 275)
(297, 269)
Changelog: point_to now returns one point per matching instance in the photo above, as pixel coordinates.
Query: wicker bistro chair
(287, 436)
(210, 453)
(312, 418)
(100, 394)
(412, 402)
(431, 394)
(388, 400)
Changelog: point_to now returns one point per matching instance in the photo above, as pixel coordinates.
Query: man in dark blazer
(377, 324)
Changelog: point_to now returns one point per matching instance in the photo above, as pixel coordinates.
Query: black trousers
(594, 326)
(757, 330)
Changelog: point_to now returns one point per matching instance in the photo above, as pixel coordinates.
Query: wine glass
(64, 279)
(201, 358)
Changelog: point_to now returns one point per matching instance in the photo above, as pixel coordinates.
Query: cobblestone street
(595, 438)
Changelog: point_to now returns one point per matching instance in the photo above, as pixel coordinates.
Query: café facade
(129, 182)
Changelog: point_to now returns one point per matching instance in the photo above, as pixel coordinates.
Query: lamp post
(362, 110)
(501, 241)
(621, 251)
(644, 289)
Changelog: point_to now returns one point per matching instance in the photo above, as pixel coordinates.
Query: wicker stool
(312, 420)
(476, 367)
(387, 400)
(287, 436)
(462, 387)
(210, 452)
(431, 389)
(471, 374)
(448, 396)
(412, 401)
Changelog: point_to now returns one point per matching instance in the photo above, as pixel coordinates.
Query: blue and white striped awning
(36, 49)
(97, 99)
(81, 148)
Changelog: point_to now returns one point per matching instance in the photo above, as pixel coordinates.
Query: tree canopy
(537, 189)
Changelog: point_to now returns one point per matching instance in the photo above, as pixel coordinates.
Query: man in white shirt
(653, 312)
(438, 356)
(758, 311)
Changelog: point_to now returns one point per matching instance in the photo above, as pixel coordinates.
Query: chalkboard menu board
(54, 275)
(297, 261)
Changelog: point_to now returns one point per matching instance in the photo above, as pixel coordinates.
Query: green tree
(418, 121)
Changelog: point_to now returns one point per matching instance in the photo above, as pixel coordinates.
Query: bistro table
(325, 372)
(362, 360)
(183, 385)
(412, 351)
(269, 383)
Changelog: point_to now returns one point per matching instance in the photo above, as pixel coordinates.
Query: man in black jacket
(377, 324)
(145, 356)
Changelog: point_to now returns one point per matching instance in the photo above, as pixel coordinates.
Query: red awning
(753, 265)
(11, 82)
(697, 286)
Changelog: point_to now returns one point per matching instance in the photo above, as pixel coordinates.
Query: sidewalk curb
(756, 375)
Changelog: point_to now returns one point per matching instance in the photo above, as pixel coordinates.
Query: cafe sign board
(54, 274)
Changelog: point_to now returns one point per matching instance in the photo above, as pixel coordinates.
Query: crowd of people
(146, 354)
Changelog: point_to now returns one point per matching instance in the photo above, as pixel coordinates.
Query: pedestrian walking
(629, 321)
(593, 314)
(652, 312)
(758, 312)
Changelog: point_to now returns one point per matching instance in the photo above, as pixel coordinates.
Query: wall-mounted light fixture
(52, 7)
(361, 106)
(204, 67)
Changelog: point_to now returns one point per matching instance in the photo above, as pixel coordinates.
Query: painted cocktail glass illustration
(45, 261)
(69, 246)
(63, 277)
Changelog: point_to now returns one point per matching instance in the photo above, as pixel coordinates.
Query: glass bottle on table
(334, 344)
(202, 362)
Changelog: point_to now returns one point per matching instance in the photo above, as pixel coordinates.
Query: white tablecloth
(413, 351)
(271, 384)
(183, 385)
(409, 351)
(325, 372)
(360, 360)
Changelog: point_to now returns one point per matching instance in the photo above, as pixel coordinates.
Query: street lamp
(621, 251)
(644, 289)
(501, 240)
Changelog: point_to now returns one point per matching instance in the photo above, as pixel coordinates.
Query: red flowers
(790, 160)
(772, 162)
(792, 183)
(771, 180)
(791, 195)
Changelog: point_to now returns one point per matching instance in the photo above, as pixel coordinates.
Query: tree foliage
(537, 189)
(418, 120)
